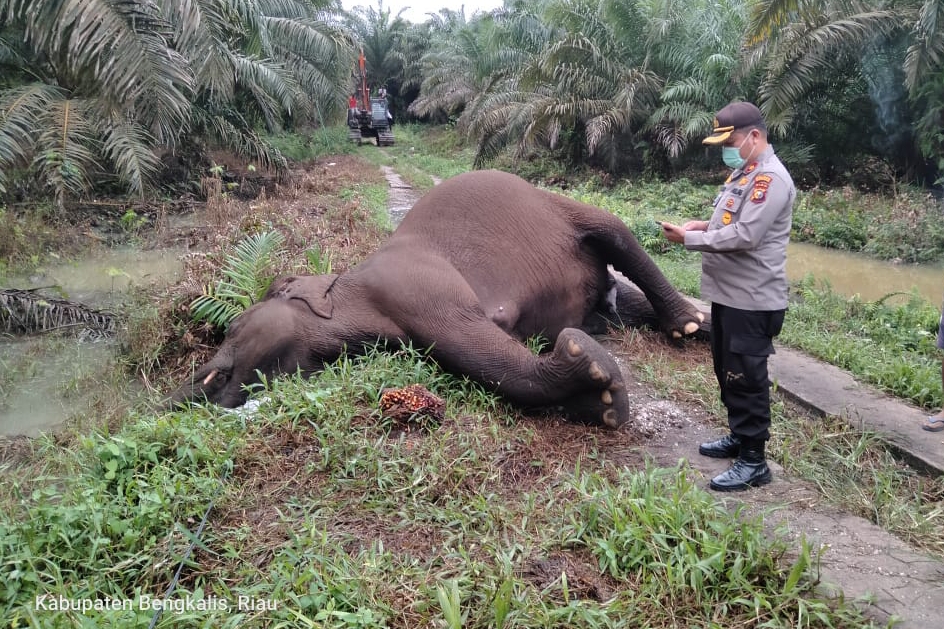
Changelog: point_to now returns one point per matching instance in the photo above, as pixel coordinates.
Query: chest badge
(726, 218)
(729, 203)
(742, 181)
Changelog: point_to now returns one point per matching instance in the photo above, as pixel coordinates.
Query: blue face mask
(732, 155)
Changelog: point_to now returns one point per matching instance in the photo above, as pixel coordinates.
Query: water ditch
(46, 379)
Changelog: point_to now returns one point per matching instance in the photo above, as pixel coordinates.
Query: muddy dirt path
(860, 560)
(402, 195)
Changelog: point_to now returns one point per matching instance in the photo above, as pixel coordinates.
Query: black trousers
(741, 341)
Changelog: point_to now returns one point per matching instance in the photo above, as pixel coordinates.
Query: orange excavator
(371, 117)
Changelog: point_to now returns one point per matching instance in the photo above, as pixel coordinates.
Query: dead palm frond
(29, 312)
(926, 52)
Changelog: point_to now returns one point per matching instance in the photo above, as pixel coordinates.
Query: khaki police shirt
(744, 250)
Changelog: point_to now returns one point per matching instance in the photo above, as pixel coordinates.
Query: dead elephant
(481, 263)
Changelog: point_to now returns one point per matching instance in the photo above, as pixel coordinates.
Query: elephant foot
(684, 323)
(599, 395)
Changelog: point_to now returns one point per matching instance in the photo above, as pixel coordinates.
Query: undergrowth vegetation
(891, 345)
(246, 277)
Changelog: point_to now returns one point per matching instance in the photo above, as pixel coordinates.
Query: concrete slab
(830, 391)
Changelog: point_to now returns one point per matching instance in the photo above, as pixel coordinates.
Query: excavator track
(385, 138)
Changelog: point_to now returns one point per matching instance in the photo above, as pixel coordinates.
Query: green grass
(316, 143)
(338, 518)
(905, 226)
(418, 156)
(892, 346)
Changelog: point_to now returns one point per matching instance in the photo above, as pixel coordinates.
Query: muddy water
(852, 274)
(45, 380)
(100, 280)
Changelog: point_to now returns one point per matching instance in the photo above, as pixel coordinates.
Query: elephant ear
(314, 290)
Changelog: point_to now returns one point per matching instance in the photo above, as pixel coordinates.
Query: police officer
(744, 254)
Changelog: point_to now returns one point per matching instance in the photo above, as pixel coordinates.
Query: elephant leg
(619, 247)
(445, 314)
(578, 375)
(580, 360)
(625, 306)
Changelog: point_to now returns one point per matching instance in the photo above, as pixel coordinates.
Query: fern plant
(244, 280)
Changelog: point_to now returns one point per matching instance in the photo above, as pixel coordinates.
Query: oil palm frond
(677, 122)
(769, 16)
(926, 52)
(274, 90)
(111, 50)
(21, 110)
(128, 146)
(606, 125)
(239, 137)
(244, 280)
(64, 153)
(803, 55)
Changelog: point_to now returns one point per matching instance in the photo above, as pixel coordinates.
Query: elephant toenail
(676, 334)
(610, 418)
(597, 373)
(573, 348)
(691, 327)
(700, 316)
(607, 397)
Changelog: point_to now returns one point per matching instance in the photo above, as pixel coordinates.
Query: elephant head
(289, 330)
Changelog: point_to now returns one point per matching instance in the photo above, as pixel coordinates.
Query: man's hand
(695, 226)
(673, 233)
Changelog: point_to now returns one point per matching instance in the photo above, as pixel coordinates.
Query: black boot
(723, 448)
(748, 470)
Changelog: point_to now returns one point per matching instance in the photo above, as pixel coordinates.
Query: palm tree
(596, 80)
(454, 70)
(97, 85)
(600, 80)
(96, 81)
(696, 47)
(261, 63)
(386, 40)
(472, 73)
(897, 50)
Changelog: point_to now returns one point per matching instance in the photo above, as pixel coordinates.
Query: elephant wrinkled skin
(482, 262)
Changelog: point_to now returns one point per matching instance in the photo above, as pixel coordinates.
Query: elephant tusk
(210, 376)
